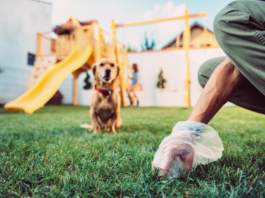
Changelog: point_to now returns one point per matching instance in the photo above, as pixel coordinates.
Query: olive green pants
(240, 31)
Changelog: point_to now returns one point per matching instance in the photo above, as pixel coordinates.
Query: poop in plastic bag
(190, 144)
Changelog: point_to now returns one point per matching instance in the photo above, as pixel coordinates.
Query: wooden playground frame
(186, 44)
(96, 37)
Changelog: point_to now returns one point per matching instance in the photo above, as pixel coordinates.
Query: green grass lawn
(47, 154)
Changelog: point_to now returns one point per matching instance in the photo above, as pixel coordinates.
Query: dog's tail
(86, 126)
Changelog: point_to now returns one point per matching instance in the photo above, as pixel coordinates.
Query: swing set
(186, 46)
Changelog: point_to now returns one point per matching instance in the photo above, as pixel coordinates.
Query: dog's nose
(107, 72)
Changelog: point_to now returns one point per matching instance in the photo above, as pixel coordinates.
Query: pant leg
(246, 95)
(240, 31)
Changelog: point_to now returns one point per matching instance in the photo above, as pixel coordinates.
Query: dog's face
(106, 70)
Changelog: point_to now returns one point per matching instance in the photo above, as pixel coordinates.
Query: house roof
(83, 23)
(195, 25)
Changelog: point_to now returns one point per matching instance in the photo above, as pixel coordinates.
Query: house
(20, 22)
(200, 37)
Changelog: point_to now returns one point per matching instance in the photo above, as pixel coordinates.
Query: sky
(123, 11)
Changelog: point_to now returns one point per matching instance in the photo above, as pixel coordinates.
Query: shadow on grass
(53, 109)
(61, 109)
(2, 111)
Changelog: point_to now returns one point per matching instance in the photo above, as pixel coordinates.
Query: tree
(148, 44)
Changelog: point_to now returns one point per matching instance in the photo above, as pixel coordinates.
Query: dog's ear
(118, 70)
(94, 68)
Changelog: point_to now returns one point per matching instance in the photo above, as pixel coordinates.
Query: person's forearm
(219, 89)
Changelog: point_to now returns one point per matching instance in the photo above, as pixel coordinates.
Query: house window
(31, 59)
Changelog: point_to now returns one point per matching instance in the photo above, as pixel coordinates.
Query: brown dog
(105, 100)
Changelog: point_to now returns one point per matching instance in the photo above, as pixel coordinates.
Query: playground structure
(186, 45)
(75, 53)
(71, 53)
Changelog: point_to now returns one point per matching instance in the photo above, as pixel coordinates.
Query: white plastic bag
(188, 139)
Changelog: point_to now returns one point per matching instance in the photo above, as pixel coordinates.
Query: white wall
(84, 95)
(20, 20)
(173, 65)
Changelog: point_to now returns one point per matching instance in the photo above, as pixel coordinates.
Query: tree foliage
(148, 44)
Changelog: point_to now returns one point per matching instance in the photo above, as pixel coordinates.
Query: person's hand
(178, 149)
(190, 143)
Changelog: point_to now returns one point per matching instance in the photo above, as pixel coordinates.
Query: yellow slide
(46, 87)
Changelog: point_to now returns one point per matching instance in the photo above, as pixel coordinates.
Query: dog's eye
(101, 64)
(112, 65)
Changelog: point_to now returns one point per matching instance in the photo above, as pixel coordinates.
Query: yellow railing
(64, 44)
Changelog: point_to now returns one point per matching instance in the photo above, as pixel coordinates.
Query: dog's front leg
(95, 123)
(112, 123)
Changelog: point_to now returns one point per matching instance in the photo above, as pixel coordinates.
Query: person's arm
(218, 90)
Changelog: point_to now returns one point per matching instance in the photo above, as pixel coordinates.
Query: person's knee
(203, 74)
(223, 24)
(227, 22)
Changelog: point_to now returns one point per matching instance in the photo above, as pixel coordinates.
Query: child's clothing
(134, 78)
